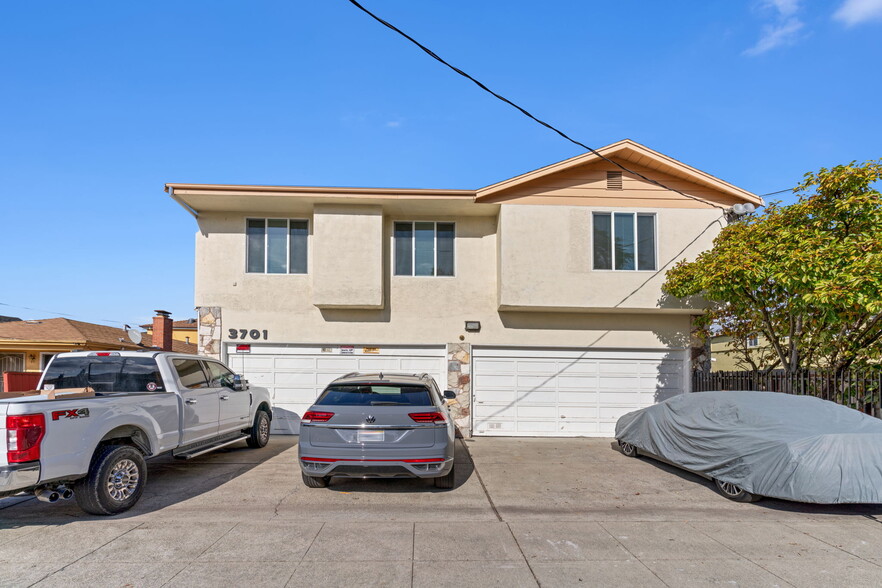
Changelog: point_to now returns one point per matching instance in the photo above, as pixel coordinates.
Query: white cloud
(784, 31)
(393, 124)
(854, 12)
(778, 35)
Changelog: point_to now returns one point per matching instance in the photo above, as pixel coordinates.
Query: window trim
(613, 240)
(412, 273)
(265, 220)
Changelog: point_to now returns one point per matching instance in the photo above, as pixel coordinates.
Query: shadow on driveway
(774, 504)
(169, 481)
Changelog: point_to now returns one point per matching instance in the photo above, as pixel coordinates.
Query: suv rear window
(375, 395)
(104, 374)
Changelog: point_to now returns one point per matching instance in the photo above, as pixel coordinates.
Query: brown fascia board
(611, 150)
(329, 190)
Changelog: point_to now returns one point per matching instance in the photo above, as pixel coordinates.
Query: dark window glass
(624, 240)
(105, 374)
(645, 242)
(403, 249)
(298, 238)
(256, 244)
(375, 395)
(276, 246)
(602, 241)
(445, 239)
(220, 375)
(424, 249)
(190, 373)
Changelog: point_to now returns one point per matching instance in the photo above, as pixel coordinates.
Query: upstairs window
(624, 241)
(276, 245)
(424, 248)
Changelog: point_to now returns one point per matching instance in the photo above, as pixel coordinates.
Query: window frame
(612, 252)
(266, 220)
(412, 273)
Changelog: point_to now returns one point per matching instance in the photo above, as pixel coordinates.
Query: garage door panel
(537, 397)
(536, 411)
(294, 363)
(536, 382)
(578, 393)
(494, 380)
(294, 378)
(340, 363)
(578, 412)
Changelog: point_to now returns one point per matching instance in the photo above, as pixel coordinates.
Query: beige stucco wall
(424, 310)
(545, 258)
(347, 270)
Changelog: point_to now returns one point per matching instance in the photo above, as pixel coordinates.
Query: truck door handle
(191, 401)
(225, 397)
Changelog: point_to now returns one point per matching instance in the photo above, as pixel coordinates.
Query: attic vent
(613, 180)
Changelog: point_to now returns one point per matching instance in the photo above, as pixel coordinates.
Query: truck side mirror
(239, 384)
(449, 395)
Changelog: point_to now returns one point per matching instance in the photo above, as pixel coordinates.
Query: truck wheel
(115, 481)
(258, 435)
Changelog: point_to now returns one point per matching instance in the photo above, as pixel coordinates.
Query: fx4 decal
(76, 413)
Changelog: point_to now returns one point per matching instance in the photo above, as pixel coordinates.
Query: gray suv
(378, 426)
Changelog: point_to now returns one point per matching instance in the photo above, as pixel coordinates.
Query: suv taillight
(312, 416)
(428, 417)
(23, 435)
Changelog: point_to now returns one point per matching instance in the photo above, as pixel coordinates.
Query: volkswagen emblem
(370, 419)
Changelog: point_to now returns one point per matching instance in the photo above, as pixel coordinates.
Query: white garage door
(568, 393)
(295, 374)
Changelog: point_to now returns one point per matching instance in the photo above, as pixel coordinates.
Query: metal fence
(860, 389)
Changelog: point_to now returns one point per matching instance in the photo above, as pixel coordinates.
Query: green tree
(808, 276)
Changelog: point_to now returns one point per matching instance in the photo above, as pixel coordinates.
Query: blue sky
(104, 102)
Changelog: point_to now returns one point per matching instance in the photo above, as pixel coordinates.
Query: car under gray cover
(770, 444)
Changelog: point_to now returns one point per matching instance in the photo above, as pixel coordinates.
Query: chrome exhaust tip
(46, 495)
(65, 492)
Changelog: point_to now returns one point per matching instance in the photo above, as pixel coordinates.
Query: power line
(436, 57)
(70, 316)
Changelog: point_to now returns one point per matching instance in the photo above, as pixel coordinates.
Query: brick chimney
(162, 330)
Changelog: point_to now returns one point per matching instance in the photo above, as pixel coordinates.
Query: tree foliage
(808, 276)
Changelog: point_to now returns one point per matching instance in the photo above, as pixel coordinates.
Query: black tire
(446, 481)
(736, 493)
(313, 482)
(258, 434)
(108, 488)
(627, 449)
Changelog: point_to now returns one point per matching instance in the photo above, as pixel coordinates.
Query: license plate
(371, 436)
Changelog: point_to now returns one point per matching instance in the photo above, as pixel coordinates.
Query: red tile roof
(71, 331)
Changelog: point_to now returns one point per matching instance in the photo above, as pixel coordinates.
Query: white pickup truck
(96, 416)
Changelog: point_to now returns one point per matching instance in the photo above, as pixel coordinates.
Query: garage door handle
(225, 397)
(191, 401)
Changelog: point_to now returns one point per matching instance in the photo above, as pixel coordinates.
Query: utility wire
(436, 57)
(70, 316)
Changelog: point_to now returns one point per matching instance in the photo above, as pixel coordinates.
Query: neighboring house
(724, 358)
(27, 346)
(537, 299)
(185, 330)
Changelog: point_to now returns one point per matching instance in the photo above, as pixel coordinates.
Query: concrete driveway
(524, 512)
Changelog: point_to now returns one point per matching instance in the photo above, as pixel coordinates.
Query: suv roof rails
(349, 374)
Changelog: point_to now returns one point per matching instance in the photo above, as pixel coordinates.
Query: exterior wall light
(473, 326)
(742, 209)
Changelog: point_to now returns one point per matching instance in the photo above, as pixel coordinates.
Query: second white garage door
(295, 374)
(568, 392)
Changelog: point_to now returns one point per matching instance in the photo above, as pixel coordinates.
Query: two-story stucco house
(537, 299)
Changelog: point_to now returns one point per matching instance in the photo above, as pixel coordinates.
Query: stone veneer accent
(459, 379)
(210, 331)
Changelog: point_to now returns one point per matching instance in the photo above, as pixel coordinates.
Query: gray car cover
(778, 445)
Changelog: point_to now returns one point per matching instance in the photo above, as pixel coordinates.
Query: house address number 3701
(246, 334)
